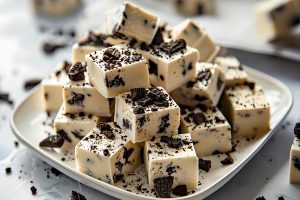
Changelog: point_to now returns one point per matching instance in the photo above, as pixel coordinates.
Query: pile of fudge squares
(138, 92)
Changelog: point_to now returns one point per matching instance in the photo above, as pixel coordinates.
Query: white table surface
(20, 59)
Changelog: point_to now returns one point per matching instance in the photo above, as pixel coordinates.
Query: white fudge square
(295, 162)
(207, 47)
(107, 154)
(55, 8)
(246, 108)
(171, 64)
(207, 89)
(73, 127)
(133, 21)
(116, 70)
(276, 18)
(80, 96)
(209, 129)
(173, 157)
(233, 70)
(194, 7)
(52, 86)
(144, 113)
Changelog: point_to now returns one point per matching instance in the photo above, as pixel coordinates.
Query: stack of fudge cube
(141, 93)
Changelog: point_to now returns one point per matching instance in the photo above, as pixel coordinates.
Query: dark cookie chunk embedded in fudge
(171, 142)
(152, 68)
(158, 38)
(204, 75)
(106, 152)
(93, 39)
(127, 154)
(52, 141)
(142, 121)
(219, 83)
(33, 190)
(8, 170)
(117, 81)
(76, 72)
(77, 99)
(137, 93)
(29, 84)
(297, 130)
(204, 164)
(180, 190)
(227, 161)
(296, 161)
(111, 55)
(251, 85)
(163, 186)
(127, 124)
(77, 196)
(118, 177)
(138, 110)
(106, 130)
(164, 124)
(64, 135)
(199, 118)
(119, 166)
(172, 46)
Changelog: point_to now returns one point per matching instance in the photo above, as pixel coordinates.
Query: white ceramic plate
(27, 125)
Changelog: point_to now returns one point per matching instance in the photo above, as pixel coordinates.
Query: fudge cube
(295, 162)
(194, 7)
(80, 96)
(246, 108)
(106, 153)
(233, 70)
(276, 18)
(207, 47)
(73, 127)
(94, 41)
(173, 157)
(209, 129)
(171, 64)
(144, 113)
(207, 89)
(116, 70)
(52, 85)
(55, 8)
(133, 21)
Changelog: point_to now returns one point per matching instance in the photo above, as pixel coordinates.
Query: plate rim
(118, 192)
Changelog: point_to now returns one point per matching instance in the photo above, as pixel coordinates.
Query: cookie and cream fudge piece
(52, 86)
(194, 7)
(295, 157)
(207, 89)
(246, 108)
(171, 64)
(94, 41)
(276, 18)
(233, 70)
(73, 127)
(133, 21)
(209, 129)
(80, 96)
(116, 70)
(144, 113)
(196, 37)
(55, 8)
(172, 159)
(107, 153)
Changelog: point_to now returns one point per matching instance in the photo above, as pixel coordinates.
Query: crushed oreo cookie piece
(228, 160)
(164, 123)
(64, 135)
(117, 81)
(180, 190)
(93, 39)
(260, 198)
(127, 154)
(118, 177)
(158, 38)
(29, 84)
(138, 110)
(55, 171)
(33, 190)
(251, 85)
(163, 186)
(76, 72)
(280, 198)
(50, 48)
(204, 164)
(199, 118)
(77, 196)
(296, 161)
(106, 152)
(175, 143)
(137, 93)
(52, 141)
(5, 98)
(111, 55)
(172, 46)
(106, 130)
(297, 130)
(77, 99)
(152, 68)
(8, 170)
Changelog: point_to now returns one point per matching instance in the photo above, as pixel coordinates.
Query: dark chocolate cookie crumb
(64, 135)
(180, 190)
(199, 118)
(172, 46)
(106, 152)
(8, 170)
(76, 72)
(296, 161)
(204, 164)
(297, 130)
(127, 154)
(260, 198)
(138, 110)
(163, 186)
(164, 123)
(137, 93)
(111, 55)
(118, 177)
(29, 84)
(77, 196)
(281, 198)
(16, 144)
(227, 161)
(153, 68)
(77, 99)
(5, 98)
(106, 130)
(171, 142)
(117, 81)
(50, 48)
(158, 38)
(33, 190)
(251, 85)
(52, 141)
(55, 171)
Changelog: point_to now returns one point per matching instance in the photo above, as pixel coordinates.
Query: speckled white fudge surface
(207, 89)
(246, 108)
(209, 129)
(116, 70)
(107, 153)
(144, 113)
(173, 157)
